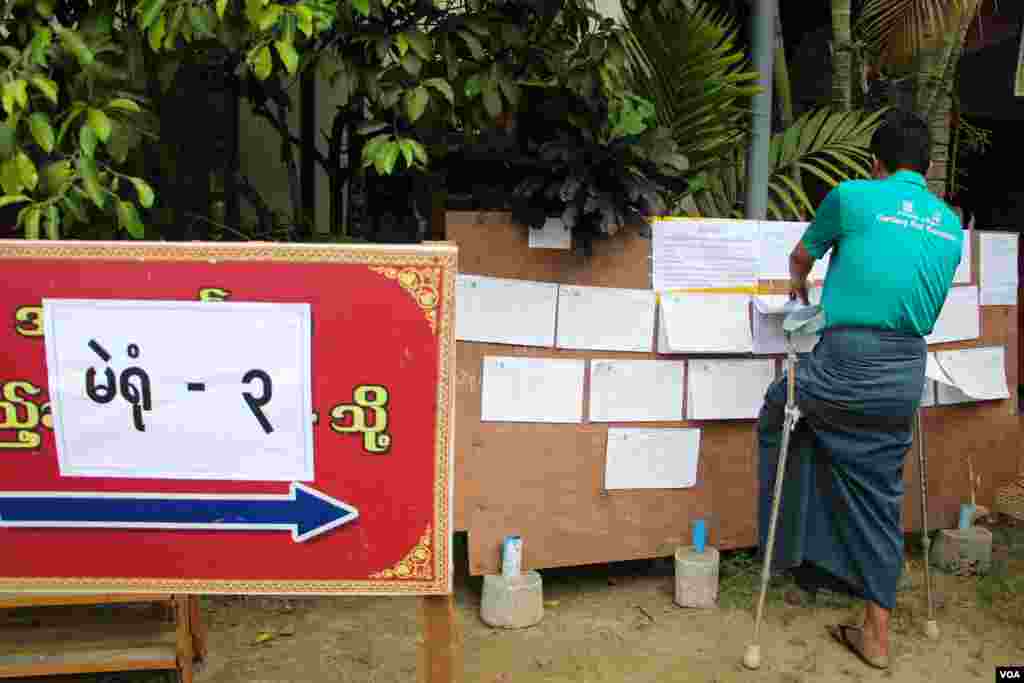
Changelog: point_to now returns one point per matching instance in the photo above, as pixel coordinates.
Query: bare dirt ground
(614, 623)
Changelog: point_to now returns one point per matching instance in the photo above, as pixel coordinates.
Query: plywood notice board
(545, 482)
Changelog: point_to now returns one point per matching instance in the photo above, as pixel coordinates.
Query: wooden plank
(16, 600)
(439, 655)
(90, 661)
(545, 481)
(183, 633)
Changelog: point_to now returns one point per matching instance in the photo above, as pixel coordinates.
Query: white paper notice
(552, 235)
(998, 268)
(960, 319)
(727, 389)
(963, 271)
(532, 390)
(705, 323)
(636, 391)
(605, 319)
(692, 254)
(928, 395)
(978, 373)
(651, 458)
(777, 241)
(768, 316)
(180, 389)
(500, 311)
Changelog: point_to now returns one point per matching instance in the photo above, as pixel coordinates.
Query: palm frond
(686, 58)
(896, 30)
(832, 146)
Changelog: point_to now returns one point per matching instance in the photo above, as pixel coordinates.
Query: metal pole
(762, 47)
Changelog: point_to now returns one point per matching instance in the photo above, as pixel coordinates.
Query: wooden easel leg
(183, 628)
(439, 653)
(197, 627)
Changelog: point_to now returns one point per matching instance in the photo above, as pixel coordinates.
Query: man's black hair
(903, 141)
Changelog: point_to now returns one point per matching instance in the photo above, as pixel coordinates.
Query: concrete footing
(515, 602)
(965, 552)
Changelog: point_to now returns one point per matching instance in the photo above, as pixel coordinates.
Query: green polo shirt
(895, 248)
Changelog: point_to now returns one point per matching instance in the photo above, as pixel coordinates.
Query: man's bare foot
(876, 631)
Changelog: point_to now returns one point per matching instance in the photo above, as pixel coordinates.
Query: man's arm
(823, 233)
(800, 264)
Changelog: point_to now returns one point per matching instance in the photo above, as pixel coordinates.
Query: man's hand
(800, 264)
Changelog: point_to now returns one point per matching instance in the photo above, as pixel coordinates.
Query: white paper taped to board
(162, 389)
(928, 395)
(777, 241)
(515, 389)
(502, 311)
(960, 319)
(727, 389)
(769, 312)
(690, 254)
(963, 271)
(636, 390)
(554, 234)
(651, 458)
(605, 319)
(998, 252)
(705, 323)
(978, 373)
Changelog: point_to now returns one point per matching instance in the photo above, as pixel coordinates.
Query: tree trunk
(784, 91)
(842, 55)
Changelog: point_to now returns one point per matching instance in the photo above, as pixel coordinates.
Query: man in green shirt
(894, 250)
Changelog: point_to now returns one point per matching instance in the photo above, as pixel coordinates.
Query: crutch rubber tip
(931, 629)
(752, 657)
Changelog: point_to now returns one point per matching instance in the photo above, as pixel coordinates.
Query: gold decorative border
(415, 565)
(438, 257)
(421, 284)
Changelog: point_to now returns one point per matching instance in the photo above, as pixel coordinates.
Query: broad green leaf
(55, 177)
(371, 128)
(90, 180)
(8, 142)
(41, 42)
(128, 218)
(385, 161)
(442, 86)
(144, 191)
(174, 28)
(406, 148)
(418, 151)
(47, 87)
(12, 55)
(15, 94)
(53, 222)
(157, 32)
(401, 44)
(473, 86)
(148, 11)
(10, 177)
(76, 46)
(412, 64)
(7, 200)
(372, 148)
(42, 131)
(123, 139)
(76, 110)
(31, 217)
(100, 124)
(74, 206)
(124, 104)
(416, 102)
(222, 6)
(269, 17)
(200, 20)
(362, 6)
(26, 171)
(510, 90)
(421, 44)
(262, 63)
(473, 43)
(289, 56)
(492, 98)
(304, 19)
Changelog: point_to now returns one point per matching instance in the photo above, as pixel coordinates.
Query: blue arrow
(304, 511)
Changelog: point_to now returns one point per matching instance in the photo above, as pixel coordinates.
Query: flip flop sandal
(840, 631)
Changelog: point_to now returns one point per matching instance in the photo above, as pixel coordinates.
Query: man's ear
(928, 173)
(877, 169)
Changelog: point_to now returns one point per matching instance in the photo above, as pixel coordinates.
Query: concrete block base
(517, 602)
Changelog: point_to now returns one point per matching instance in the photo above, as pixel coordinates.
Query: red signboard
(373, 517)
